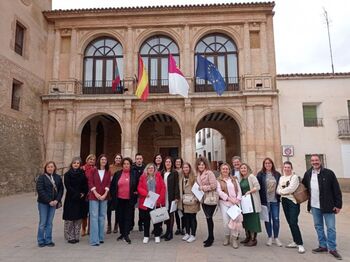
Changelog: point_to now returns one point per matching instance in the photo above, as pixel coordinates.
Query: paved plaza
(19, 218)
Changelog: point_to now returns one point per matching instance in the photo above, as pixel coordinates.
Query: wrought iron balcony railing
(102, 87)
(344, 128)
(232, 84)
(309, 122)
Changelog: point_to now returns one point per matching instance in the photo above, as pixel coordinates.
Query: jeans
(97, 211)
(274, 219)
(146, 220)
(291, 211)
(46, 215)
(328, 241)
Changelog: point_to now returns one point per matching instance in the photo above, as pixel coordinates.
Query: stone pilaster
(73, 50)
(56, 55)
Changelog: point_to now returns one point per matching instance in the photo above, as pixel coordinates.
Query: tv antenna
(325, 14)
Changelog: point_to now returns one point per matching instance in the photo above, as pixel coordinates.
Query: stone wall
(20, 154)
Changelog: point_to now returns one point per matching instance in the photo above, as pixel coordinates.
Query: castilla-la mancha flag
(177, 82)
(142, 89)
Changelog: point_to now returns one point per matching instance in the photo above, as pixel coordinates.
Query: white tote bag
(159, 215)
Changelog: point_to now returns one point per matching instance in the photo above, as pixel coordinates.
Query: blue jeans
(328, 241)
(46, 215)
(274, 219)
(97, 212)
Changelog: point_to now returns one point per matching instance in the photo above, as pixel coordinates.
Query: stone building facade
(71, 57)
(23, 55)
(79, 117)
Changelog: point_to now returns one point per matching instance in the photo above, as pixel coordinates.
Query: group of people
(96, 189)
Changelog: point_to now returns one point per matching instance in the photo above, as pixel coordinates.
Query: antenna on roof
(329, 37)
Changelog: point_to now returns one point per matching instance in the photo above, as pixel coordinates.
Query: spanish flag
(142, 89)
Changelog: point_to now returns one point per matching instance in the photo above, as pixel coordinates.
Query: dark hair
(203, 160)
(48, 163)
(118, 154)
(171, 161)
(316, 155)
(138, 154)
(98, 162)
(182, 161)
(161, 167)
(288, 163)
(127, 159)
(263, 169)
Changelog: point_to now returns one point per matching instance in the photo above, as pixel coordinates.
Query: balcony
(158, 86)
(102, 87)
(344, 128)
(201, 85)
(313, 122)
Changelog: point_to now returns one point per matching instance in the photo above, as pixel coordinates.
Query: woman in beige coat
(188, 202)
(251, 222)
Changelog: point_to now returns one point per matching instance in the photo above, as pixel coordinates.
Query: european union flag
(207, 70)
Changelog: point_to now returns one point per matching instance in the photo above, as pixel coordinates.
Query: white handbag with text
(159, 215)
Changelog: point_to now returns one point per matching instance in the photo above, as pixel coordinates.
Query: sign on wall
(287, 150)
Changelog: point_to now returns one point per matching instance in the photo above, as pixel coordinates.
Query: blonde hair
(249, 170)
(226, 164)
(148, 166)
(90, 156)
(191, 175)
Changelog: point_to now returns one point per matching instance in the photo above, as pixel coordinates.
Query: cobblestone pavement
(19, 218)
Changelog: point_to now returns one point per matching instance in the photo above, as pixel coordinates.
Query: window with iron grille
(16, 95)
(310, 115)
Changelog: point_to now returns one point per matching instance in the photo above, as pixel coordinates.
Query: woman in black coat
(171, 180)
(73, 210)
(50, 190)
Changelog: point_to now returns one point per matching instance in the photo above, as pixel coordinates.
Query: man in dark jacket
(325, 202)
(138, 168)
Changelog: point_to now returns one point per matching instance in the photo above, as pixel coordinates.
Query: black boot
(247, 237)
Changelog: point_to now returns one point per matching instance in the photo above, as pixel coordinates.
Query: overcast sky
(301, 38)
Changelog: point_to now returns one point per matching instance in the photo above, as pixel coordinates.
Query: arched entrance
(219, 126)
(159, 133)
(101, 135)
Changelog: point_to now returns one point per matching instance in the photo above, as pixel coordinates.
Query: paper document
(234, 211)
(151, 200)
(197, 192)
(247, 204)
(264, 214)
(173, 206)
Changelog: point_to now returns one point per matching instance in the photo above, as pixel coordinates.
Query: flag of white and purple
(177, 82)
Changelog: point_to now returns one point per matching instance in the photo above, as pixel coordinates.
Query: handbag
(211, 198)
(189, 199)
(159, 215)
(301, 194)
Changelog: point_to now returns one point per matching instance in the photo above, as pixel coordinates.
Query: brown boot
(247, 238)
(109, 229)
(83, 227)
(252, 242)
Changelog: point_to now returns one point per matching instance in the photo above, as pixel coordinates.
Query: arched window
(103, 60)
(222, 51)
(155, 52)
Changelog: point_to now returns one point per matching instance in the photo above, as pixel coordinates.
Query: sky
(300, 31)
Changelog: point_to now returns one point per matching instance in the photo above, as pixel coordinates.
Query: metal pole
(329, 38)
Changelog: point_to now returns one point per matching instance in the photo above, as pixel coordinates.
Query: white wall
(332, 93)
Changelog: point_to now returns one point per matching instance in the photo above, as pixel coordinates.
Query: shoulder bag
(210, 198)
(301, 194)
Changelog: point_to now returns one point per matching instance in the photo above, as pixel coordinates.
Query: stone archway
(101, 135)
(159, 133)
(227, 128)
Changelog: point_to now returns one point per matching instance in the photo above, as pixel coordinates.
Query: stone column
(50, 142)
(188, 134)
(129, 62)
(263, 49)
(68, 138)
(269, 135)
(251, 154)
(246, 41)
(56, 55)
(127, 130)
(73, 49)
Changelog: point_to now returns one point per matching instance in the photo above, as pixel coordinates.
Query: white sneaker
(278, 242)
(191, 239)
(186, 237)
(301, 249)
(269, 241)
(145, 240)
(292, 245)
(157, 239)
